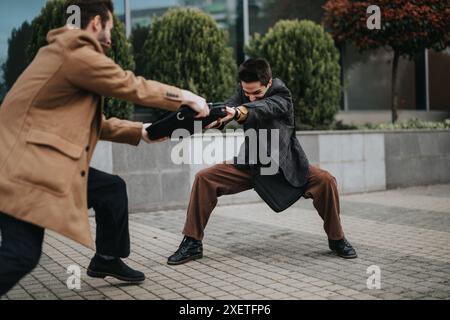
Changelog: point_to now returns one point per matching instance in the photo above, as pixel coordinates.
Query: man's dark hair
(254, 70)
(90, 9)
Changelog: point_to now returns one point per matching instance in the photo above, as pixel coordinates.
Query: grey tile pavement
(253, 253)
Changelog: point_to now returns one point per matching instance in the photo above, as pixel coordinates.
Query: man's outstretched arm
(92, 71)
(124, 131)
(121, 131)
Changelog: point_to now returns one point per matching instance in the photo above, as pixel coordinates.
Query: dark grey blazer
(276, 111)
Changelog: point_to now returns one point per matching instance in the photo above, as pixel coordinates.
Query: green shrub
(138, 36)
(413, 123)
(2, 92)
(122, 53)
(16, 61)
(186, 48)
(52, 16)
(410, 124)
(304, 56)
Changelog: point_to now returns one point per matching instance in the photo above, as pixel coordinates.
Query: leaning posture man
(50, 123)
(261, 103)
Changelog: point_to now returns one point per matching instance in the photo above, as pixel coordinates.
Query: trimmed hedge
(186, 48)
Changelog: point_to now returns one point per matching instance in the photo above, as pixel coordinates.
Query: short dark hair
(90, 9)
(254, 70)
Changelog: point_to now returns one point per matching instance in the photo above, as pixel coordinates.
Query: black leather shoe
(189, 249)
(116, 268)
(343, 248)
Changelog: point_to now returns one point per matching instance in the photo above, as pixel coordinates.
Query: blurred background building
(424, 83)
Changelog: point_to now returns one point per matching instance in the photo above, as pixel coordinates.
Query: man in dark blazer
(261, 103)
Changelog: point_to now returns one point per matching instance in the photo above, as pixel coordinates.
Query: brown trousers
(224, 179)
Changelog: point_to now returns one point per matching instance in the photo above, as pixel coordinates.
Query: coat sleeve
(236, 99)
(93, 71)
(121, 131)
(276, 106)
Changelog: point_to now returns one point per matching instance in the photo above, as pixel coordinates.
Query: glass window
(119, 9)
(367, 80)
(266, 13)
(439, 79)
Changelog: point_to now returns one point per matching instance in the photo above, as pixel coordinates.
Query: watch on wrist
(237, 114)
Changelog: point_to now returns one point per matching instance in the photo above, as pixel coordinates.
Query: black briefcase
(184, 118)
(276, 191)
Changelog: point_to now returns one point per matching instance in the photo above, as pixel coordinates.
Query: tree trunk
(394, 88)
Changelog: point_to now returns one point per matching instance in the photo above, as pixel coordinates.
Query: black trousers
(21, 242)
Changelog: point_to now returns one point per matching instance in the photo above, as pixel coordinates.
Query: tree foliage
(407, 27)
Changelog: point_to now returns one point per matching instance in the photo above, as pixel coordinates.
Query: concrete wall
(153, 181)
(355, 158)
(361, 161)
(417, 158)
(385, 116)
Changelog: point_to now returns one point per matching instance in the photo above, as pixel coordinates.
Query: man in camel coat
(50, 123)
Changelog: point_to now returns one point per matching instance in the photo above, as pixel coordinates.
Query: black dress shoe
(189, 249)
(116, 268)
(343, 248)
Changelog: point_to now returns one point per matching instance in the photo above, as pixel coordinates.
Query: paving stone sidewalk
(253, 253)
